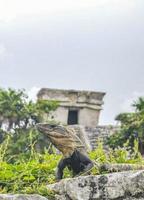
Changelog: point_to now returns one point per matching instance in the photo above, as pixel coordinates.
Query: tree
(19, 115)
(132, 127)
(17, 112)
(139, 104)
(11, 105)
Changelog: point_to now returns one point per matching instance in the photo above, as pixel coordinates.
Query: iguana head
(63, 138)
(59, 136)
(51, 128)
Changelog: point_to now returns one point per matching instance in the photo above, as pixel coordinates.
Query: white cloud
(32, 93)
(127, 104)
(12, 9)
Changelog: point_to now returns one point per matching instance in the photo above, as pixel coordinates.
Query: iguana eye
(52, 126)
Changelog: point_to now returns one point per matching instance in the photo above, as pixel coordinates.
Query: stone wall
(99, 133)
(93, 135)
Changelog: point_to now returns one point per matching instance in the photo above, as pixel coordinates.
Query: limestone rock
(21, 197)
(114, 186)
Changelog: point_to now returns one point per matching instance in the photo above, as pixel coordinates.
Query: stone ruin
(81, 110)
(75, 107)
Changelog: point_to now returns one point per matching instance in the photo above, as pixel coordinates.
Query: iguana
(67, 142)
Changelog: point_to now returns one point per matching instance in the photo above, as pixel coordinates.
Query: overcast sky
(75, 44)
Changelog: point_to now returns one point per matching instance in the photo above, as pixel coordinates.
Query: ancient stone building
(76, 107)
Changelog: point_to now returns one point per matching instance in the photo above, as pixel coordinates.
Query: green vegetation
(132, 128)
(26, 162)
(18, 112)
(18, 116)
(22, 170)
(31, 175)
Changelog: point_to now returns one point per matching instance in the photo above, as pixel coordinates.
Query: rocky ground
(21, 197)
(115, 186)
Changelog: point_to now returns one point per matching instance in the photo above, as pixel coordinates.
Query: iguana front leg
(59, 172)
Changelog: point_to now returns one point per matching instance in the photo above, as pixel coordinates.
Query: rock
(116, 186)
(21, 197)
(117, 167)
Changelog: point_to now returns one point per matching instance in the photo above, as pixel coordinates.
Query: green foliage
(23, 143)
(28, 174)
(118, 155)
(26, 165)
(32, 174)
(19, 116)
(132, 127)
(18, 112)
(139, 104)
(46, 106)
(99, 154)
(125, 118)
(28, 177)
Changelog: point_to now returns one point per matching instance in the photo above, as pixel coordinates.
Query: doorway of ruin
(72, 117)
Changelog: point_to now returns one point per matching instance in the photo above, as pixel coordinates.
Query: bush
(30, 174)
(28, 177)
(123, 154)
(132, 127)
